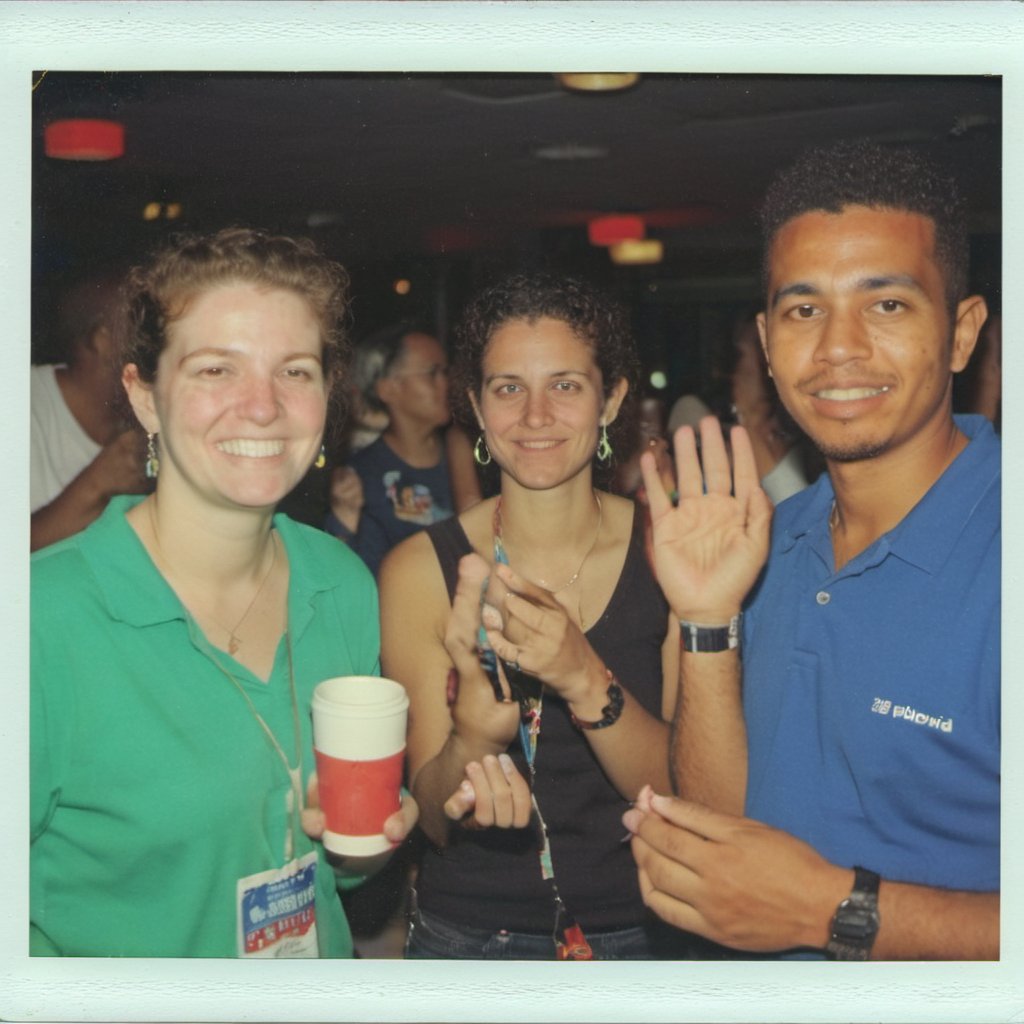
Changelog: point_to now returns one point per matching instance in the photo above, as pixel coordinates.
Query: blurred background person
(778, 451)
(400, 482)
(81, 451)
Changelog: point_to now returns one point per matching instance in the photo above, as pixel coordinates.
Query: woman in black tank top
(544, 594)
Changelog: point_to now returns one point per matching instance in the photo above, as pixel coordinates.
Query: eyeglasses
(434, 373)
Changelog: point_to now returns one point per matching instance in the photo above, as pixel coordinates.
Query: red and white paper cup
(359, 743)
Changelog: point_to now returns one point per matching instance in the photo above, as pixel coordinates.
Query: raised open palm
(709, 548)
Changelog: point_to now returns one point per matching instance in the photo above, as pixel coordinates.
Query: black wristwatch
(700, 639)
(856, 920)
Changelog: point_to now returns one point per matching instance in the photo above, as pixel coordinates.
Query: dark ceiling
(394, 172)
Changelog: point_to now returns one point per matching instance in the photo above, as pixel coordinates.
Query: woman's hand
(492, 795)
(479, 718)
(540, 637)
(346, 497)
(708, 549)
(396, 828)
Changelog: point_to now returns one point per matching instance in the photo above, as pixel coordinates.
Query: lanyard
(570, 942)
(294, 773)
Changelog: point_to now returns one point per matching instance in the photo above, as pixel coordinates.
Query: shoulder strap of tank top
(450, 543)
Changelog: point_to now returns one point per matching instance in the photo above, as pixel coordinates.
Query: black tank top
(491, 878)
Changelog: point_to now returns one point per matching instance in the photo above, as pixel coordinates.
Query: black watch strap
(856, 920)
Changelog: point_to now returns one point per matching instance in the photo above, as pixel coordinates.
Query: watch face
(854, 927)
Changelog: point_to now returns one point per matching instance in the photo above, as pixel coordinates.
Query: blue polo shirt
(871, 695)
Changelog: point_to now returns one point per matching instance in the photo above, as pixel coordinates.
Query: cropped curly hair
(159, 292)
(860, 173)
(594, 318)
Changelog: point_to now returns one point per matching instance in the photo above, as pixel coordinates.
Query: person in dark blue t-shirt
(399, 483)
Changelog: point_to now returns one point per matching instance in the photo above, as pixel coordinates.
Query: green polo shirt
(154, 788)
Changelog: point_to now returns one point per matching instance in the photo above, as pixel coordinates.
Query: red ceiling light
(84, 139)
(616, 228)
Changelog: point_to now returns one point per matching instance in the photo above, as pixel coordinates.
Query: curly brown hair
(159, 292)
(595, 318)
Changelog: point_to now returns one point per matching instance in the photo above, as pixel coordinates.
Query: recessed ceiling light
(602, 81)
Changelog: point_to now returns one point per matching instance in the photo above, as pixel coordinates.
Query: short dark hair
(93, 299)
(861, 173)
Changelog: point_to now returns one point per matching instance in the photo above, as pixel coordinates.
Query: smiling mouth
(538, 445)
(250, 448)
(849, 394)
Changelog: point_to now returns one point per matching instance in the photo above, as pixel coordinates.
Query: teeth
(250, 448)
(538, 444)
(849, 394)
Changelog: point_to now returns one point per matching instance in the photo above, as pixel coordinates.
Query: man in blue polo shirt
(842, 798)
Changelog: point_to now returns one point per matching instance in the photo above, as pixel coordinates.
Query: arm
(444, 735)
(465, 483)
(117, 469)
(746, 885)
(708, 551)
(539, 634)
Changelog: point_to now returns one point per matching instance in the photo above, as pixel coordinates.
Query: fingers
(523, 588)
(714, 457)
(403, 821)
(495, 792)
(669, 907)
(314, 821)
(464, 621)
(745, 475)
(689, 481)
(461, 802)
(312, 818)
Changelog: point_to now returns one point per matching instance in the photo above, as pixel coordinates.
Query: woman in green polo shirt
(176, 641)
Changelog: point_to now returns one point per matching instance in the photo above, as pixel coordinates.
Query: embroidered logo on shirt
(912, 715)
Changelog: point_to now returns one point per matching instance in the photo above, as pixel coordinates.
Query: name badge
(277, 911)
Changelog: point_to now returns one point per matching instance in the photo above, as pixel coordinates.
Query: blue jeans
(431, 938)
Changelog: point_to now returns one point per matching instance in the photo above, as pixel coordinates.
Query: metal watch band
(856, 920)
(700, 639)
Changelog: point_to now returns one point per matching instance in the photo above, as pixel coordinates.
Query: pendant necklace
(234, 641)
(296, 799)
(500, 545)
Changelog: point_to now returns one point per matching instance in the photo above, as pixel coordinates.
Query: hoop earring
(321, 459)
(604, 447)
(481, 446)
(152, 459)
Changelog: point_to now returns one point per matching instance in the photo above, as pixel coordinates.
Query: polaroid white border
(978, 37)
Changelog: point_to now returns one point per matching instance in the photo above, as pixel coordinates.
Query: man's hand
(732, 880)
(119, 468)
(708, 549)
